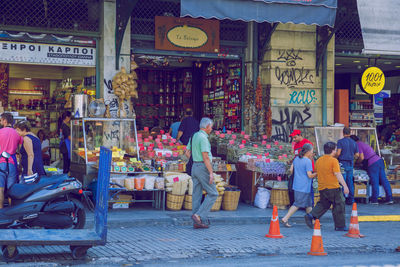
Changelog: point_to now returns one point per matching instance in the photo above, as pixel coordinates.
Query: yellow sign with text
(187, 36)
(373, 80)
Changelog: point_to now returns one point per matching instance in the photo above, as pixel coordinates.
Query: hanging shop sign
(187, 34)
(36, 53)
(46, 38)
(373, 80)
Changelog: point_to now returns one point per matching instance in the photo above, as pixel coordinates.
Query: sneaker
(374, 203)
(389, 202)
(341, 229)
(309, 220)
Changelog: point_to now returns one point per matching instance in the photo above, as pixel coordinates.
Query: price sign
(373, 80)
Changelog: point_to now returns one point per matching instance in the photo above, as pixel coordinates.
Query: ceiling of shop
(356, 64)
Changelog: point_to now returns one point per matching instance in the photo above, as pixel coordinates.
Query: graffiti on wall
(288, 121)
(289, 56)
(302, 97)
(293, 76)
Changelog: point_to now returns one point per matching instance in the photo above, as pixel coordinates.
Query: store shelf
(363, 110)
(15, 93)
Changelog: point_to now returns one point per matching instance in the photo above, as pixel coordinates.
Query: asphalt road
(228, 245)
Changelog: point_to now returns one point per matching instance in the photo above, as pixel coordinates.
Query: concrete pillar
(289, 67)
(107, 68)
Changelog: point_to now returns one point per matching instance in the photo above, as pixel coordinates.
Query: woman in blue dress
(31, 150)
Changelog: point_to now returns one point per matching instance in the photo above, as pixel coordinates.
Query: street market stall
(368, 135)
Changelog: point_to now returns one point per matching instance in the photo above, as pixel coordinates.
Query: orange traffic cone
(354, 229)
(317, 248)
(274, 230)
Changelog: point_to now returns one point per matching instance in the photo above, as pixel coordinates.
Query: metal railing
(64, 15)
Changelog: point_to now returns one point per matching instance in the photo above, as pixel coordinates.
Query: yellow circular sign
(373, 80)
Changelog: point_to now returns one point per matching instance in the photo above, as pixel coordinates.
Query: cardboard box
(360, 190)
(120, 205)
(395, 190)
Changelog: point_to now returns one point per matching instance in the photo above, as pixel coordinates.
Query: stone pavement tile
(154, 243)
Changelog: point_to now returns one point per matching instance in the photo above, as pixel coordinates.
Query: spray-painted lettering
(288, 121)
(294, 76)
(302, 97)
(290, 56)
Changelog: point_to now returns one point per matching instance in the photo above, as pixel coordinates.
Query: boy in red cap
(299, 140)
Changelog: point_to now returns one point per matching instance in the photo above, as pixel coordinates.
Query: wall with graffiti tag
(289, 67)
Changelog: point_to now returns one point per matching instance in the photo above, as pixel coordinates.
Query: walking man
(347, 152)
(329, 178)
(202, 174)
(9, 142)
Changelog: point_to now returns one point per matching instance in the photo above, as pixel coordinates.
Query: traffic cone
(354, 229)
(274, 230)
(317, 248)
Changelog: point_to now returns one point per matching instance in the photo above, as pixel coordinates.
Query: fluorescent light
(387, 62)
(356, 61)
(27, 78)
(338, 64)
(397, 66)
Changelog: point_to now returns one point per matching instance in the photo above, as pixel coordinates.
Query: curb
(186, 221)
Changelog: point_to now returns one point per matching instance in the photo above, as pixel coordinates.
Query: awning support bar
(124, 10)
(266, 31)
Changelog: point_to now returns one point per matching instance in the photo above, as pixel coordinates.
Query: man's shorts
(12, 175)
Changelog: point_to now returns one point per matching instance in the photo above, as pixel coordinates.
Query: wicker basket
(230, 200)
(280, 198)
(217, 204)
(187, 204)
(174, 202)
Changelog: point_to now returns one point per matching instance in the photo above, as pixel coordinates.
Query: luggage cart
(79, 240)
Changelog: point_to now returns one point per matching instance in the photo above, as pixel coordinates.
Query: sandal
(286, 224)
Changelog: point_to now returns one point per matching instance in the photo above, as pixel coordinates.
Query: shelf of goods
(391, 108)
(162, 162)
(222, 94)
(253, 159)
(362, 113)
(88, 134)
(163, 96)
(362, 118)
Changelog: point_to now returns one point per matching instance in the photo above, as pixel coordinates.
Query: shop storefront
(188, 69)
(40, 72)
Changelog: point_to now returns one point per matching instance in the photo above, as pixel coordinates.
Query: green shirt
(200, 144)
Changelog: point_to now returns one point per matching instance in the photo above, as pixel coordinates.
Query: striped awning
(309, 12)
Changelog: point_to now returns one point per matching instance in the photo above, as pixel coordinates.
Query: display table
(157, 200)
(246, 180)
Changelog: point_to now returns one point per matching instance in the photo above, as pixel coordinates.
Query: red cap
(295, 132)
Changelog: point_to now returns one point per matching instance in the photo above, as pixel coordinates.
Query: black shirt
(189, 126)
(65, 130)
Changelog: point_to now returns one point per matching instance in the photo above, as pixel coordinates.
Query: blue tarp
(309, 12)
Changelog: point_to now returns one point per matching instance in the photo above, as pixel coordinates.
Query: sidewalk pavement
(144, 215)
